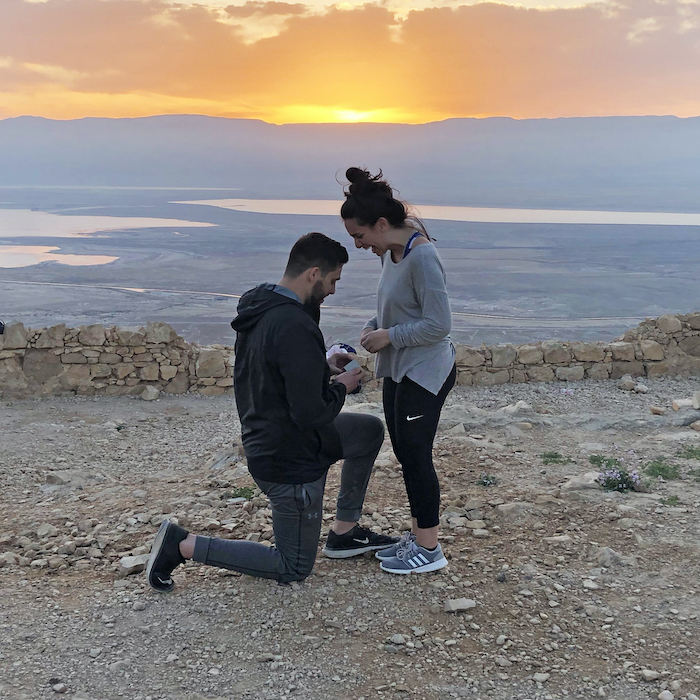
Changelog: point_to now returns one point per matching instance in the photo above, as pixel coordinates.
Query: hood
(254, 304)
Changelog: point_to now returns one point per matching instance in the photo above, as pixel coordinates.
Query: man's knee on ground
(299, 575)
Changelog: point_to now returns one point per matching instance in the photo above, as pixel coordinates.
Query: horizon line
(351, 123)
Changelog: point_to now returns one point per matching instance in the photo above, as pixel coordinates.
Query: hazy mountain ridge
(635, 163)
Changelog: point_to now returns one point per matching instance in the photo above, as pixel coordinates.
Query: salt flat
(509, 282)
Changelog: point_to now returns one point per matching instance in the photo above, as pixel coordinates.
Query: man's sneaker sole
(426, 568)
(347, 553)
(155, 551)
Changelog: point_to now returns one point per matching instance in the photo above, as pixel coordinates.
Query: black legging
(412, 415)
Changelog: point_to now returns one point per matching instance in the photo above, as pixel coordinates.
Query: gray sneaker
(414, 559)
(391, 552)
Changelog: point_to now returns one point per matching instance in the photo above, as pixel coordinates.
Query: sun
(323, 114)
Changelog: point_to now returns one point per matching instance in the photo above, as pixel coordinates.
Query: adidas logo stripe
(418, 560)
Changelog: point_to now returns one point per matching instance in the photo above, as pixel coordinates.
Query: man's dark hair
(315, 250)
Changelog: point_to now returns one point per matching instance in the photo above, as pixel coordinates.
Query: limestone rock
(133, 565)
(41, 365)
(92, 335)
(180, 384)
(168, 372)
(150, 393)
(651, 350)
(570, 374)
(540, 374)
(626, 383)
(515, 512)
(15, 336)
(599, 371)
(159, 332)
(669, 324)
(502, 355)
(622, 351)
(690, 346)
(210, 363)
(588, 352)
(530, 355)
(457, 604)
(555, 352)
(582, 482)
(485, 378)
(469, 357)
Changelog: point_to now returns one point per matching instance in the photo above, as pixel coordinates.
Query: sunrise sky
(383, 60)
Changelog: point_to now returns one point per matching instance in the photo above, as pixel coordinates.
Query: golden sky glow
(394, 60)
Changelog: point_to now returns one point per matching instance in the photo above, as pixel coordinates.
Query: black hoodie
(284, 396)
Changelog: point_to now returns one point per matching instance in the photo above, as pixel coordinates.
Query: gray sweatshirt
(412, 304)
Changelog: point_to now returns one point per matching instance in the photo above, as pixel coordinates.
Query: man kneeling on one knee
(292, 430)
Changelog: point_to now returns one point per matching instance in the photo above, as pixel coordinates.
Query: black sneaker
(357, 541)
(165, 556)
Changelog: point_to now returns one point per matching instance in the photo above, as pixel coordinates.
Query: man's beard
(313, 303)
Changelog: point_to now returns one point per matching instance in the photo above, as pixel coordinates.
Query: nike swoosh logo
(167, 581)
(410, 418)
(365, 541)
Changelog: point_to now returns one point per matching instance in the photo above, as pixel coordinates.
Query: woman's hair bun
(363, 182)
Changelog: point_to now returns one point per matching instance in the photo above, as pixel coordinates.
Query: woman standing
(410, 335)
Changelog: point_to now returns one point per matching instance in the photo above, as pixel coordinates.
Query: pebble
(650, 675)
(665, 695)
(501, 640)
(139, 605)
(397, 639)
(59, 688)
(540, 677)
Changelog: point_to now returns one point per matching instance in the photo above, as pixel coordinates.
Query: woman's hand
(374, 341)
(364, 333)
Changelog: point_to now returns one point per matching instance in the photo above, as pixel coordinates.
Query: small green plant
(689, 452)
(243, 492)
(616, 478)
(604, 462)
(487, 480)
(695, 473)
(554, 458)
(660, 468)
(670, 501)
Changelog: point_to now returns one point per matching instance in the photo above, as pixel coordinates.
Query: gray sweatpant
(297, 511)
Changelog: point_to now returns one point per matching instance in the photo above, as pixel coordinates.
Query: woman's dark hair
(315, 250)
(370, 197)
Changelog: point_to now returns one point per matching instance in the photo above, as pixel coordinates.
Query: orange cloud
(73, 58)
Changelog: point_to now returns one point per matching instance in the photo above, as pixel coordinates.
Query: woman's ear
(382, 225)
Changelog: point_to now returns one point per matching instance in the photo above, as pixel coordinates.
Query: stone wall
(114, 361)
(665, 345)
(94, 360)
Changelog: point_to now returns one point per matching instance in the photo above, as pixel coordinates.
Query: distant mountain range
(617, 163)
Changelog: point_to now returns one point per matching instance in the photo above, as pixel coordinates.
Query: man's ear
(314, 274)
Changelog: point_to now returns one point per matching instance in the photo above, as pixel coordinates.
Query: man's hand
(350, 379)
(363, 334)
(374, 341)
(338, 360)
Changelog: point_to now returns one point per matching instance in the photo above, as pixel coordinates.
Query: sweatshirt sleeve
(371, 324)
(436, 318)
(313, 400)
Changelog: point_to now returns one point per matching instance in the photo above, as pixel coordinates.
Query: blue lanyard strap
(407, 249)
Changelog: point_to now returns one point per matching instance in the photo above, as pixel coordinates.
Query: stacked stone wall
(113, 361)
(94, 360)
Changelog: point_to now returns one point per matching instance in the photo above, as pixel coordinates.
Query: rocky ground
(561, 590)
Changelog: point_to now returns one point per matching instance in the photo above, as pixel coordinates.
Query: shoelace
(406, 547)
